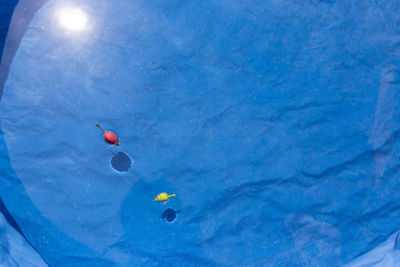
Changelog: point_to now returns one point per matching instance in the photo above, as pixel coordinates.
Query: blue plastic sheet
(14, 250)
(386, 254)
(275, 123)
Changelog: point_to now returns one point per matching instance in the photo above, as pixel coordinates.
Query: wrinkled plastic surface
(14, 250)
(386, 254)
(275, 123)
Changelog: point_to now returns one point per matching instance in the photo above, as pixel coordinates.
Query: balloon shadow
(169, 214)
(121, 162)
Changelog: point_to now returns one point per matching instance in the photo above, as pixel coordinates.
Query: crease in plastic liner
(15, 250)
(385, 254)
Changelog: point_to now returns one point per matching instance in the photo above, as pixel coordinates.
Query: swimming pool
(275, 123)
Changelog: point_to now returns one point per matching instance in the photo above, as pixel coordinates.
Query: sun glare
(73, 19)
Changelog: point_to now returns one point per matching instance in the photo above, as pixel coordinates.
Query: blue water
(275, 123)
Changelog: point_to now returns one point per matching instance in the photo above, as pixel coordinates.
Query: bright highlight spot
(73, 19)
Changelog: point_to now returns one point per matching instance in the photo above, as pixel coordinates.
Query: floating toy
(109, 136)
(163, 197)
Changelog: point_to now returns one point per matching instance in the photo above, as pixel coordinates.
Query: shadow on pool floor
(121, 162)
(169, 214)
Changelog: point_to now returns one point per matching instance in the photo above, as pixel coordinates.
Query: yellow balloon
(163, 197)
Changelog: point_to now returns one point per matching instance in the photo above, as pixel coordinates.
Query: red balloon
(111, 138)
